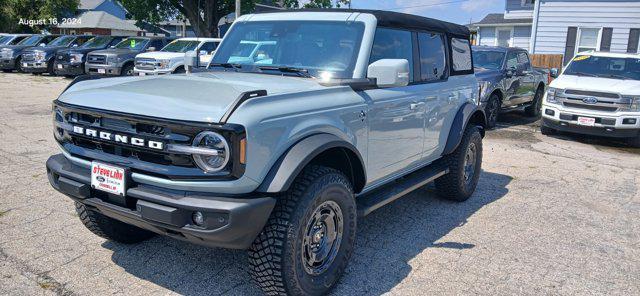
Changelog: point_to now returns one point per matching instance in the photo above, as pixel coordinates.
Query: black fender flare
(294, 160)
(465, 114)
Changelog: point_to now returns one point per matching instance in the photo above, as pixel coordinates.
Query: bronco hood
(201, 97)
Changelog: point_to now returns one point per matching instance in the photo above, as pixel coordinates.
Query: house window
(503, 36)
(588, 39)
(528, 3)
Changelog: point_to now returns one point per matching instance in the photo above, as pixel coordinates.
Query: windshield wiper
(614, 76)
(227, 65)
(582, 74)
(285, 69)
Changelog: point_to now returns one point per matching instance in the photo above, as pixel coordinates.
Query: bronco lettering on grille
(118, 138)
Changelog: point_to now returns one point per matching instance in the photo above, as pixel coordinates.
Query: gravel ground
(552, 215)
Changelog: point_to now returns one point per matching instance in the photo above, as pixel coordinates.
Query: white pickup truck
(597, 94)
(170, 59)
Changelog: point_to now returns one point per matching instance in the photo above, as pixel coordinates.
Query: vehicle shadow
(387, 241)
(516, 118)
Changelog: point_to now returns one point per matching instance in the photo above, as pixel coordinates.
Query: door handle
(414, 106)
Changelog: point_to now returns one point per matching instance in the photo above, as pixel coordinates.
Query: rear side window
(432, 56)
(523, 60)
(461, 56)
(512, 60)
(393, 44)
(209, 47)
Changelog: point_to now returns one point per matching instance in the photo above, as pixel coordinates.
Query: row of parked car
(73, 55)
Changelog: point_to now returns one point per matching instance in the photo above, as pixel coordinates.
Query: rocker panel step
(380, 197)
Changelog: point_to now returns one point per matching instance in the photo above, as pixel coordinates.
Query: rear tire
(536, 106)
(19, 64)
(309, 238)
(50, 69)
(464, 168)
(6, 71)
(111, 229)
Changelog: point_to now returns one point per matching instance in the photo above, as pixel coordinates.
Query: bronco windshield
(133, 43)
(181, 46)
(491, 60)
(312, 46)
(605, 67)
(61, 41)
(97, 42)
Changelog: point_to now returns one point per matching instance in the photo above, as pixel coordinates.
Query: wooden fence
(546, 60)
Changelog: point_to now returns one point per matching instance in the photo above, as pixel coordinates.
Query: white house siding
(554, 18)
(521, 37)
(514, 10)
(487, 36)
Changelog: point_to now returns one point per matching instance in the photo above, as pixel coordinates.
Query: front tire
(309, 238)
(493, 110)
(127, 70)
(464, 168)
(635, 142)
(547, 131)
(110, 228)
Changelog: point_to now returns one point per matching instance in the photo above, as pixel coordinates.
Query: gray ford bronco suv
(350, 110)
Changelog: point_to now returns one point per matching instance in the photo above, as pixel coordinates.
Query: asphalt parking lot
(551, 215)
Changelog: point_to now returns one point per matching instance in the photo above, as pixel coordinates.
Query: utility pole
(237, 9)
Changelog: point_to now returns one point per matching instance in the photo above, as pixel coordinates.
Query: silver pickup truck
(279, 154)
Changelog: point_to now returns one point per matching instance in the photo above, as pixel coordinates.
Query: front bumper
(35, 67)
(7, 63)
(618, 125)
(151, 72)
(230, 222)
(98, 69)
(68, 69)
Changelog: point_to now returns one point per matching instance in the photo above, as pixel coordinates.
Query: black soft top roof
(399, 20)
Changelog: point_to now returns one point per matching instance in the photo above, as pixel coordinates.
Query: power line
(427, 5)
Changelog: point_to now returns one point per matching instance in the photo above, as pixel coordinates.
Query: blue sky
(456, 11)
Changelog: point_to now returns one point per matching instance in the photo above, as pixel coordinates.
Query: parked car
(11, 55)
(598, 94)
(38, 60)
(278, 158)
(119, 60)
(71, 62)
(508, 81)
(170, 59)
(253, 51)
(12, 39)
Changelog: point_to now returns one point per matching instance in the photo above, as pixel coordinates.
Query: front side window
(461, 55)
(512, 60)
(33, 40)
(313, 46)
(209, 47)
(432, 56)
(587, 39)
(392, 44)
(133, 43)
(523, 61)
(604, 67)
(181, 46)
(491, 60)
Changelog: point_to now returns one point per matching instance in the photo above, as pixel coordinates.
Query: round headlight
(219, 148)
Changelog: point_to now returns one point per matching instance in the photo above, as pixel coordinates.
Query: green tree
(204, 15)
(13, 11)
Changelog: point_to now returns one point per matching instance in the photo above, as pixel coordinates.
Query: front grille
(145, 64)
(97, 59)
(591, 93)
(28, 57)
(590, 107)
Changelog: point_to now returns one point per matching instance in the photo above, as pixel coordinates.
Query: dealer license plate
(588, 121)
(102, 71)
(25, 64)
(59, 66)
(108, 178)
(142, 74)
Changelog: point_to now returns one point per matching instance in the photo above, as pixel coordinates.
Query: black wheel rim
(470, 163)
(322, 238)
